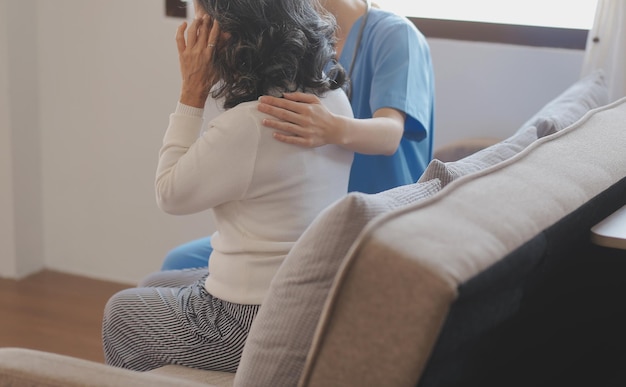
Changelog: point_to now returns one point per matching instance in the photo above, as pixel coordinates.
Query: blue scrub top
(393, 69)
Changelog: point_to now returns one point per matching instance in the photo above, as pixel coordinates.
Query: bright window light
(578, 14)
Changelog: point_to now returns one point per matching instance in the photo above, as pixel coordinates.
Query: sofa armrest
(381, 320)
(27, 367)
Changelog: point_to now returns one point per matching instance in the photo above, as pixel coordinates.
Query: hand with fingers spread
(305, 120)
(195, 54)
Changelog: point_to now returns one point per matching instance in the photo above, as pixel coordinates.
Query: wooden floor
(55, 312)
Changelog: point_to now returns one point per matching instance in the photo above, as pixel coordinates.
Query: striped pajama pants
(171, 319)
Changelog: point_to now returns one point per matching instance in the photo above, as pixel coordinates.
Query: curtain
(606, 46)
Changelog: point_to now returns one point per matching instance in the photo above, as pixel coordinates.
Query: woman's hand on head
(195, 54)
(301, 119)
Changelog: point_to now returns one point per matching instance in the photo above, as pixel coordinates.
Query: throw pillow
(283, 330)
(484, 158)
(587, 93)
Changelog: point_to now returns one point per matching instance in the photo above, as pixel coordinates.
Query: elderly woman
(263, 192)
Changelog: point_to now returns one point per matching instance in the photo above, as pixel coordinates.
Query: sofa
(482, 273)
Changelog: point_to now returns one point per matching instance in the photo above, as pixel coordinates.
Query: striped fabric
(149, 327)
(173, 278)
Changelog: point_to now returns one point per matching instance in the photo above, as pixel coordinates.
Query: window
(540, 23)
(569, 14)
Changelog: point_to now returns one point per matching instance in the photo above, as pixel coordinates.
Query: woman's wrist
(194, 101)
(191, 97)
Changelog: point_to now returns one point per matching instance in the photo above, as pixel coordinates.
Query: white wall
(489, 90)
(23, 159)
(107, 79)
(7, 225)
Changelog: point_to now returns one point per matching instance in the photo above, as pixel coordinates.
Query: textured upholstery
(446, 240)
(564, 110)
(568, 107)
(485, 158)
(281, 335)
(24, 367)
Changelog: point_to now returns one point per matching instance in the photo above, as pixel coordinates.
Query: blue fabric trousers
(189, 255)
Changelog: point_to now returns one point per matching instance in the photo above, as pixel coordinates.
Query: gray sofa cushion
(485, 158)
(586, 94)
(280, 337)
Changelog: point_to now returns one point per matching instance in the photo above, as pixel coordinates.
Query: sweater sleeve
(196, 173)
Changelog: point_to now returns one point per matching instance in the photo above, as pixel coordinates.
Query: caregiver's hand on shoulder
(301, 120)
(195, 54)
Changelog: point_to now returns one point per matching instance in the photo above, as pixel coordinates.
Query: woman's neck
(347, 13)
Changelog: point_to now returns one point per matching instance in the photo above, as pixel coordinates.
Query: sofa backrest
(396, 287)
(281, 335)
(551, 312)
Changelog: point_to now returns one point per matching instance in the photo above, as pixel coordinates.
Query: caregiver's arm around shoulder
(302, 120)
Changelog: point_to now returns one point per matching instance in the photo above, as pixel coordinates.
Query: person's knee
(193, 254)
(174, 260)
(114, 329)
(151, 280)
(173, 256)
(112, 309)
(111, 324)
(174, 278)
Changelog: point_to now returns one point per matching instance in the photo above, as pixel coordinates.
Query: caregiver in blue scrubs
(392, 93)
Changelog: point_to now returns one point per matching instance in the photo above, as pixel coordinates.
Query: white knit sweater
(263, 193)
